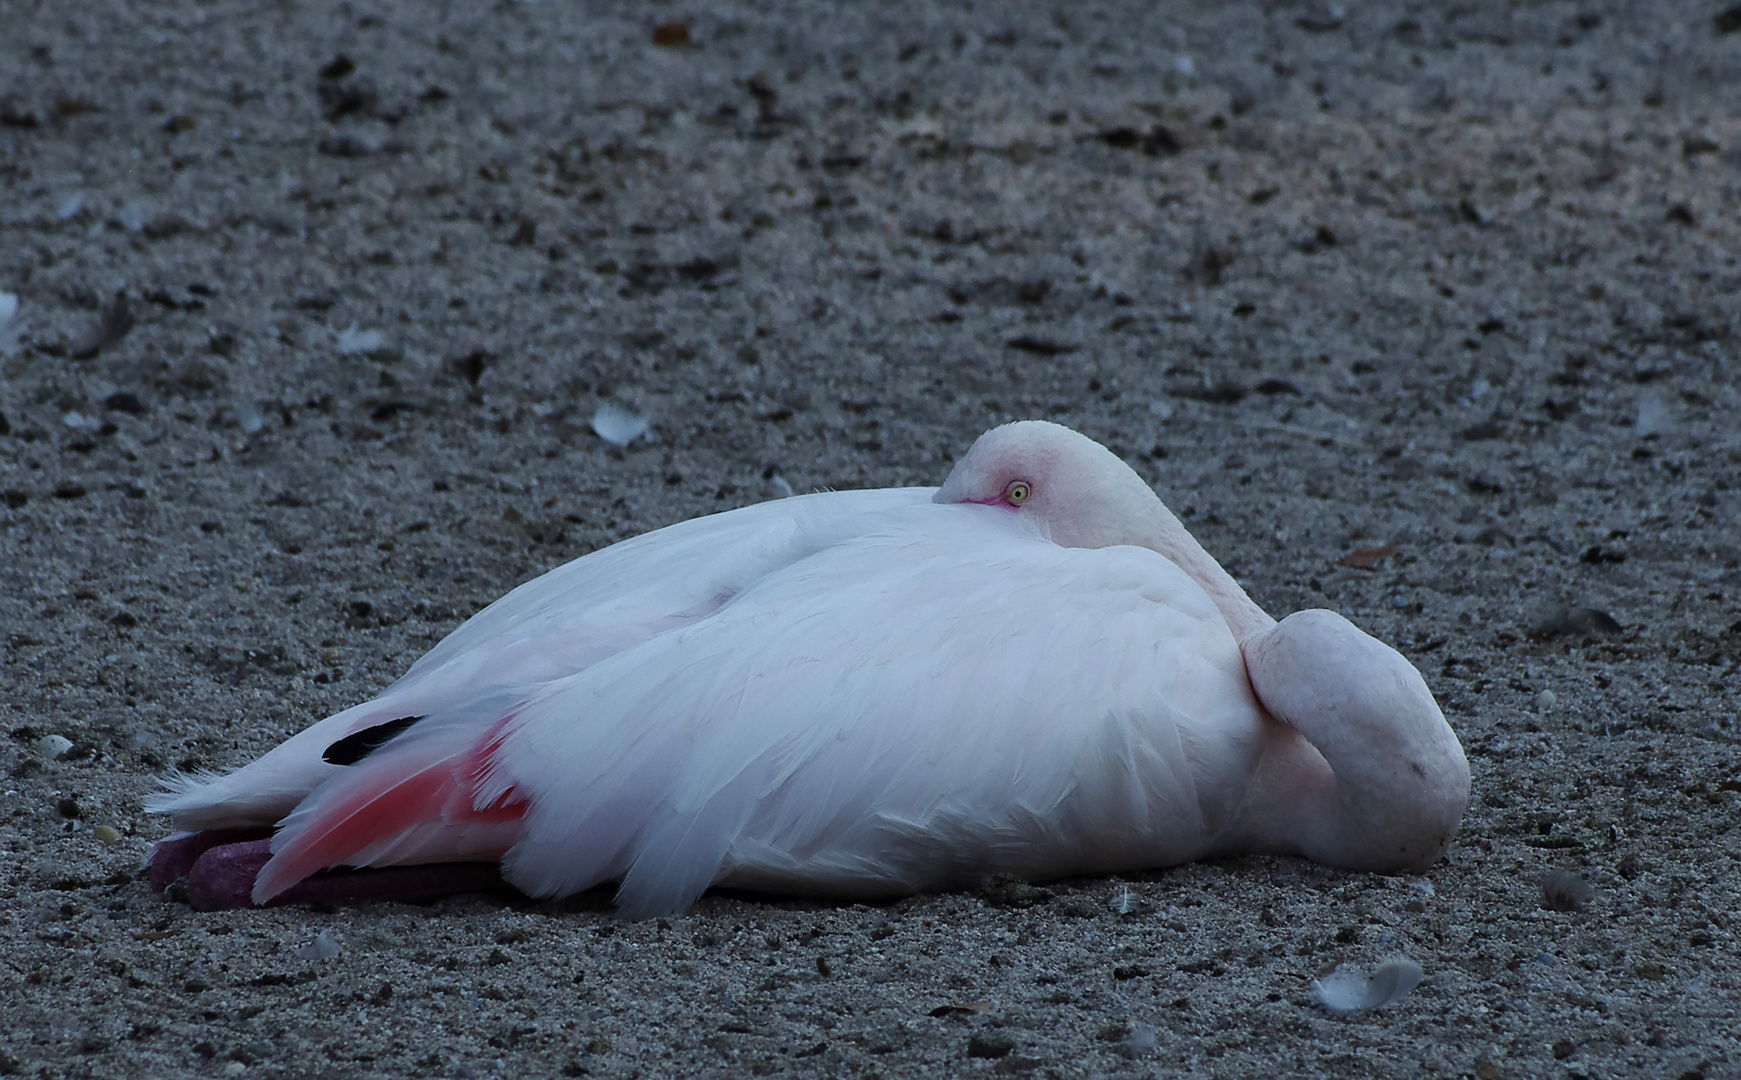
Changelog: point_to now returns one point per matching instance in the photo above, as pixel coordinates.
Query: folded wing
(904, 710)
(549, 628)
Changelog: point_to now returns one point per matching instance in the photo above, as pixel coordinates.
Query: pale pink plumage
(866, 693)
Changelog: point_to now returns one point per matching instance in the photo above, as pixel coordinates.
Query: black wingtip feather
(359, 745)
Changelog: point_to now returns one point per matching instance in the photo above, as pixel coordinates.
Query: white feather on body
(841, 693)
(549, 627)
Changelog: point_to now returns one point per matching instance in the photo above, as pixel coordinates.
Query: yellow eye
(1017, 493)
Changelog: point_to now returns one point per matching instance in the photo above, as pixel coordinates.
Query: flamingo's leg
(220, 869)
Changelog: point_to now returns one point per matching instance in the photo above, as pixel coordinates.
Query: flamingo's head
(1070, 485)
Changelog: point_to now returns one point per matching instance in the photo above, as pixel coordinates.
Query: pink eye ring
(1017, 492)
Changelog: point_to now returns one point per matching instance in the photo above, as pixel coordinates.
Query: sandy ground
(1459, 281)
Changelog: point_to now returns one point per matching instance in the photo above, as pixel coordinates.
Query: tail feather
(415, 801)
(263, 791)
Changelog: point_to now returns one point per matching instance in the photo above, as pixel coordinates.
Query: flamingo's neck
(1170, 538)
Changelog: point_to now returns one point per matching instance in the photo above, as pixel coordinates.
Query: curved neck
(1172, 539)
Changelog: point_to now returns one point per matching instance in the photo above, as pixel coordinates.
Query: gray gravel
(1459, 282)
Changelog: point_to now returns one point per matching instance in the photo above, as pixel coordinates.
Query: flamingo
(1032, 670)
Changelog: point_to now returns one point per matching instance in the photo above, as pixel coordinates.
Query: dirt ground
(317, 302)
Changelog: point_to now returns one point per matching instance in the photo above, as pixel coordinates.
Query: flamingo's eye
(1017, 493)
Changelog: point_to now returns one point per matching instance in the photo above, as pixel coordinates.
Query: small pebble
(107, 835)
(1545, 700)
(1654, 417)
(53, 746)
(990, 1046)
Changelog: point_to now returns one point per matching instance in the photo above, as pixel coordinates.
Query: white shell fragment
(53, 746)
(1545, 700)
(1654, 417)
(323, 947)
(355, 342)
(1348, 990)
(11, 326)
(618, 426)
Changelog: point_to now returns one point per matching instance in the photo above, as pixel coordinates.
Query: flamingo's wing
(897, 711)
(548, 628)
(569, 618)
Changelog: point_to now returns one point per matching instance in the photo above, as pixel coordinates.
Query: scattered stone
(1224, 392)
(966, 1008)
(164, 226)
(1157, 141)
(471, 365)
(1209, 265)
(1321, 18)
(107, 835)
(344, 146)
(1367, 558)
(113, 325)
(990, 1046)
(1584, 622)
(1006, 890)
(338, 67)
(342, 96)
(669, 35)
(53, 746)
(1545, 701)
(1042, 346)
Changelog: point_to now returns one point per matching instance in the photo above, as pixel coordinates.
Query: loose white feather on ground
(1349, 990)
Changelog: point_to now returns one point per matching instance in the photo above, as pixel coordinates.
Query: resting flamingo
(1032, 670)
